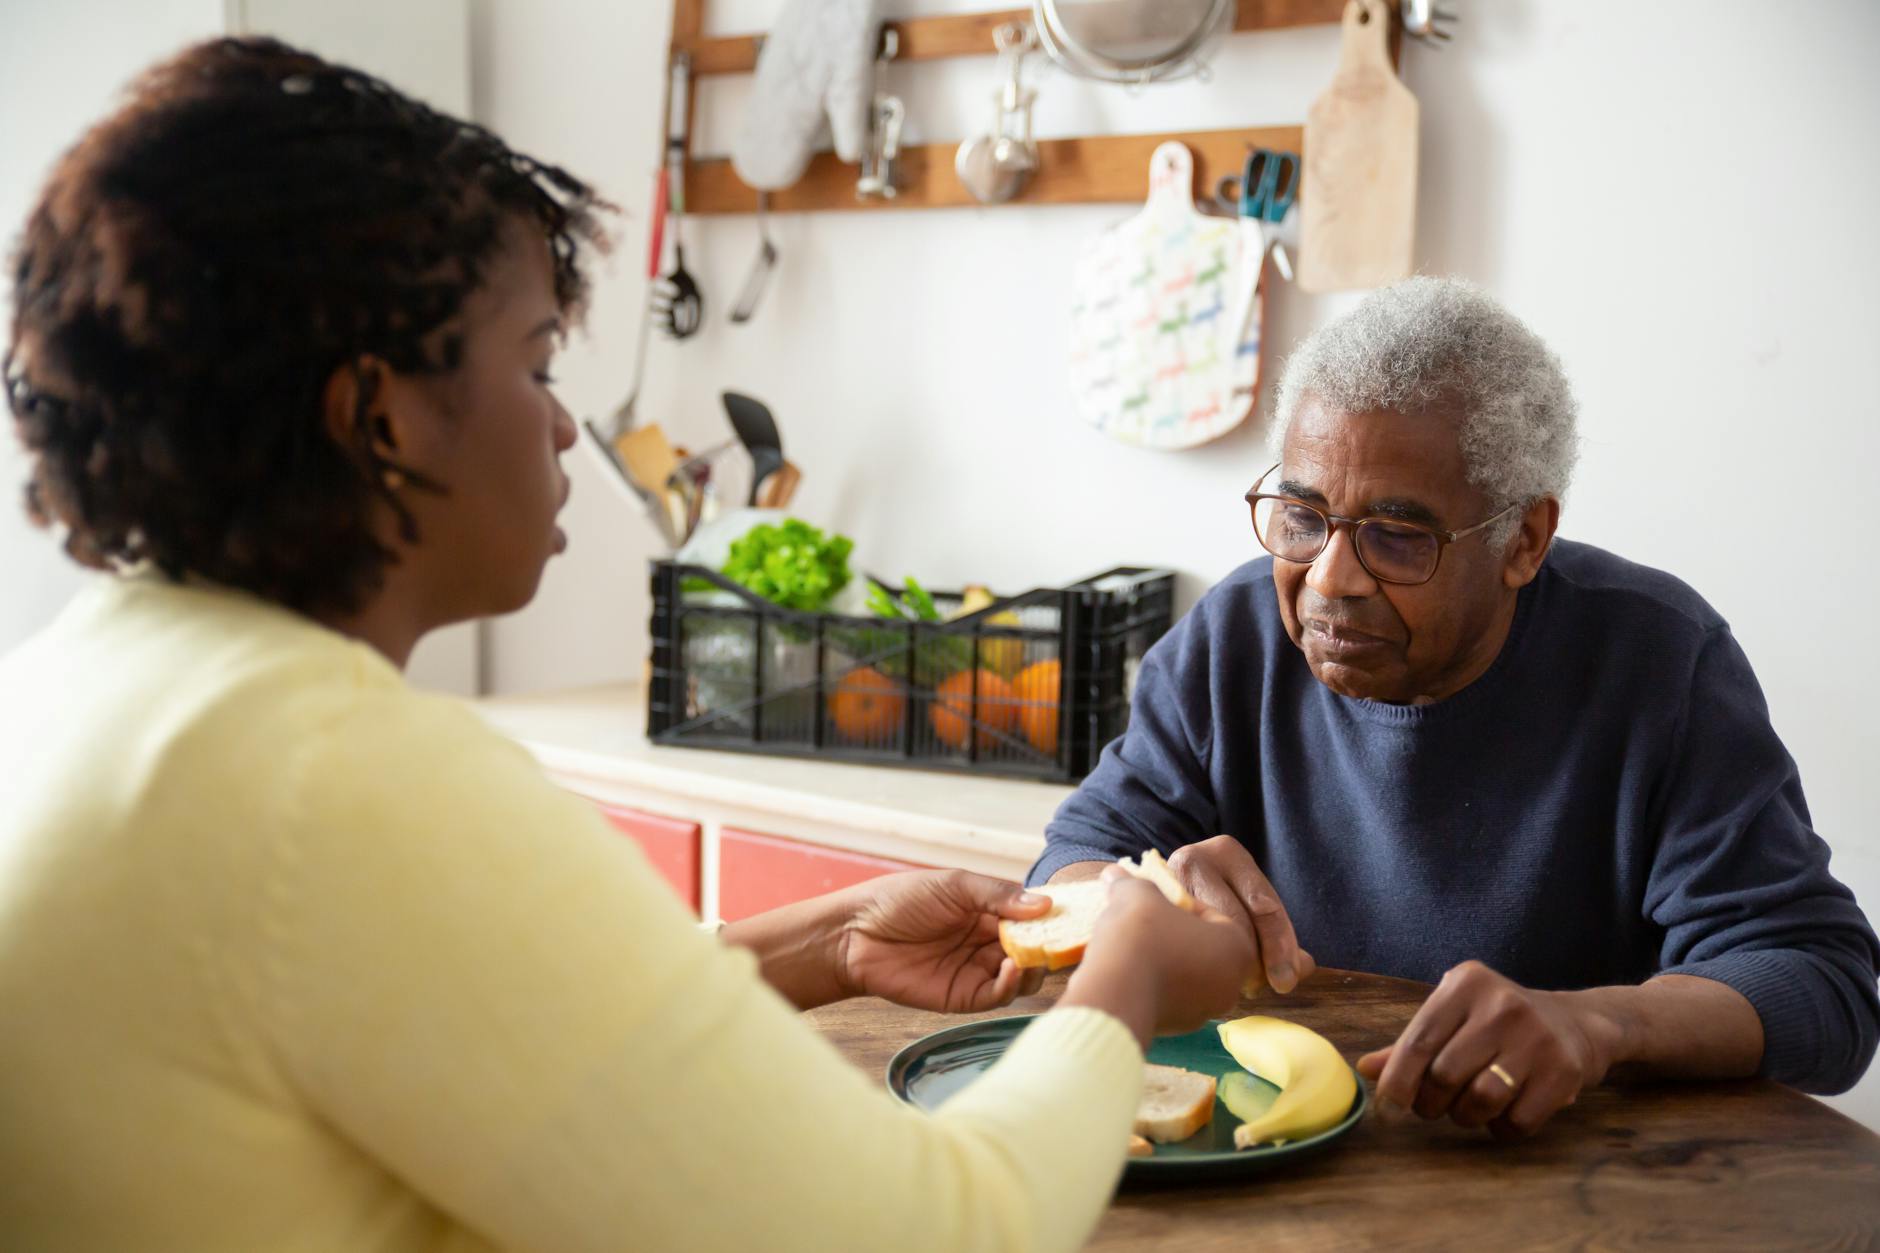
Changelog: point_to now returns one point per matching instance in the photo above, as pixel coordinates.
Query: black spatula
(757, 430)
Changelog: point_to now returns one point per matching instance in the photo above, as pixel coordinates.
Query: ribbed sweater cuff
(1083, 1034)
(1057, 856)
(1786, 996)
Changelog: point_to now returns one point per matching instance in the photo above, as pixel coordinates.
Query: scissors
(1265, 190)
(1260, 199)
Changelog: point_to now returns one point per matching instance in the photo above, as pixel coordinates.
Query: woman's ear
(1529, 546)
(353, 407)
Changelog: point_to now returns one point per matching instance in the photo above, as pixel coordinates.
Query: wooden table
(1700, 1166)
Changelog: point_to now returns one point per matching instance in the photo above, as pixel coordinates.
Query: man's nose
(1336, 572)
(565, 433)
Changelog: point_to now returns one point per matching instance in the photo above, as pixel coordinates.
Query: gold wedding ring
(1495, 1069)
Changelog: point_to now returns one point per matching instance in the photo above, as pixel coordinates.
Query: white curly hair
(1440, 345)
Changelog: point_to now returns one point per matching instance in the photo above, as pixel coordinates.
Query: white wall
(1676, 195)
(49, 94)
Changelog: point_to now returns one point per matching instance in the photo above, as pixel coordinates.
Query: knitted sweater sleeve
(496, 1002)
(1151, 788)
(1740, 884)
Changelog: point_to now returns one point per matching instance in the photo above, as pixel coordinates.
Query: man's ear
(1529, 545)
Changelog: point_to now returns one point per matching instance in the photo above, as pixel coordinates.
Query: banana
(972, 600)
(1003, 654)
(1315, 1085)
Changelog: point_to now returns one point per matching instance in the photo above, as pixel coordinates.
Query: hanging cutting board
(1156, 356)
(1360, 194)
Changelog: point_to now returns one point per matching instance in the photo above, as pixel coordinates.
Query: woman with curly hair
(292, 955)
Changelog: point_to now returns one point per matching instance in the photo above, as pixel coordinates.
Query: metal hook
(1422, 18)
(1022, 36)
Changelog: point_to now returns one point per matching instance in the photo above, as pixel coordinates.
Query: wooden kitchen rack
(1086, 170)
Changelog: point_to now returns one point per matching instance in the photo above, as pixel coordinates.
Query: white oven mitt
(818, 60)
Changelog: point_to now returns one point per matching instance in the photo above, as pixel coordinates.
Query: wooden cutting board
(1360, 194)
(1165, 318)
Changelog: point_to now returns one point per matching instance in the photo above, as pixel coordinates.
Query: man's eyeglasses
(1391, 551)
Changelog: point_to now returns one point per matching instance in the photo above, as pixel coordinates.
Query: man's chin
(1356, 682)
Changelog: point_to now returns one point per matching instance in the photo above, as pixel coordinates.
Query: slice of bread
(1175, 1103)
(1139, 1147)
(1057, 939)
(1156, 871)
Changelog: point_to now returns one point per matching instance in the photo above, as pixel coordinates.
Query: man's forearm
(1676, 1026)
(797, 946)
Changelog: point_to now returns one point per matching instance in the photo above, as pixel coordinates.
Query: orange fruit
(952, 712)
(867, 705)
(1036, 690)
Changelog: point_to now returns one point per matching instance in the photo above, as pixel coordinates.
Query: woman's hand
(930, 939)
(1158, 969)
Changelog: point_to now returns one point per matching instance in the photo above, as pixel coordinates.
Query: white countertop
(597, 735)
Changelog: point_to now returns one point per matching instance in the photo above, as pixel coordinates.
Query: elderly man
(1443, 745)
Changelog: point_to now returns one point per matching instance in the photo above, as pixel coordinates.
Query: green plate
(934, 1067)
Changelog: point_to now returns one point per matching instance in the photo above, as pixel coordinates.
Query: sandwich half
(1057, 939)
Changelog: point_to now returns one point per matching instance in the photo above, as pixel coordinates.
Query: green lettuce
(793, 564)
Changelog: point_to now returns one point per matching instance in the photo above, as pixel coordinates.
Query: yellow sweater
(294, 957)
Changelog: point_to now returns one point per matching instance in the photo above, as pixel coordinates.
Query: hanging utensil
(996, 166)
(607, 444)
(757, 430)
(680, 302)
(881, 159)
(1260, 198)
(754, 282)
(623, 418)
(1131, 41)
(1359, 206)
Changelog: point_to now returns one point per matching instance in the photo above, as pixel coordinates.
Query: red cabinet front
(760, 872)
(671, 844)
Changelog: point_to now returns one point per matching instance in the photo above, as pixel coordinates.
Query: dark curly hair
(202, 261)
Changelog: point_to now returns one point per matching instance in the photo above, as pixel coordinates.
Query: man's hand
(1222, 875)
(1487, 1052)
(930, 939)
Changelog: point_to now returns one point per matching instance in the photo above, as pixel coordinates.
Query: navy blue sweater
(1607, 802)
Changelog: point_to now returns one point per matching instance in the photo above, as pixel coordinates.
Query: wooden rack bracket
(1092, 170)
(970, 34)
(1088, 170)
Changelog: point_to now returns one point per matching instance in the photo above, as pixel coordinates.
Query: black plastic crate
(1055, 669)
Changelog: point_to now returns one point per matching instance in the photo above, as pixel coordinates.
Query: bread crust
(1041, 957)
(1171, 1128)
(1157, 871)
(1195, 1120)
(1037, 956)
